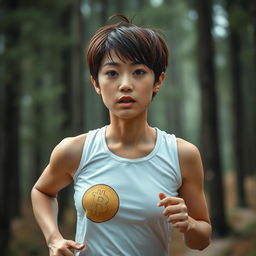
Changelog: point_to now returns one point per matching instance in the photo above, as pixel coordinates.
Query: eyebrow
(112, 63)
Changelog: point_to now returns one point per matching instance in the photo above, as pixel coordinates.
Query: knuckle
(170, 219)
(176, 225)
(60, 249)
(184, 208)
(185, 215)
(167, 209)
(181, 199)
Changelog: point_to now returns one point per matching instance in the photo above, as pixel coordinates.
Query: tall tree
(252, 10)
(103, 19)
(66, 100)
(10, 168)
(235, 46)
(210, 134)
(175, 106)
(78, 90)
(65, 77)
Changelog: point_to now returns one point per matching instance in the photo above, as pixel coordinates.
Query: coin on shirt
(100, 203)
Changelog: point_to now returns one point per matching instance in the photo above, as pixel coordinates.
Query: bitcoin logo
(100, 203)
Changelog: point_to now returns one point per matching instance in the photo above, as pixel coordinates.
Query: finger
(161, 195)
(169, 201)
(66, 252)
(63, 251)
(180, 217)
(171, 209)
(175, 208)
(75, 245)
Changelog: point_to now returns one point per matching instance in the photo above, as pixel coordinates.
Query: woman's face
(126, 87)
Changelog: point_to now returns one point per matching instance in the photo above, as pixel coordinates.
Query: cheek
(107, 96)
(147, 91)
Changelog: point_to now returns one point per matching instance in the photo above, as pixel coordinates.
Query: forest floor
(28, 241)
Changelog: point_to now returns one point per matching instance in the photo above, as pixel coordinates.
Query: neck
(129, 132)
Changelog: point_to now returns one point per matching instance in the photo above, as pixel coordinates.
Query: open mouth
(126, 99)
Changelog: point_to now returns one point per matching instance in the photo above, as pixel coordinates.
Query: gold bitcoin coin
(100, 203)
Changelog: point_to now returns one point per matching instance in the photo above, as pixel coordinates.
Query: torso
(137, 183)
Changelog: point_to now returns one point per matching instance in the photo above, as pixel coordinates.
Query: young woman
(133, 183)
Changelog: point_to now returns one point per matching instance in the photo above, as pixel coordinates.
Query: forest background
(209, 98)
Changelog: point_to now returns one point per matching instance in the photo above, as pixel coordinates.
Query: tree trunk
(239, 122)
(103, 20)
(39, 133)
(238, 112)
(175, 107)
(10, 179)
(210, 134)
(78, 90)
(252, 10)
(66, 100)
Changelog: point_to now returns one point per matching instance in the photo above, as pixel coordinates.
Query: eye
(140, 72)
(111, 73)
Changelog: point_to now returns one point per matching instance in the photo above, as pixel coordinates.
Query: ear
(159, 83)
(96, 86)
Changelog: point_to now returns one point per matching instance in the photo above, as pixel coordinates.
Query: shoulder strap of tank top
(90, 141)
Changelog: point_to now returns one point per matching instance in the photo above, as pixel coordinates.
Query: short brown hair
(129, 42)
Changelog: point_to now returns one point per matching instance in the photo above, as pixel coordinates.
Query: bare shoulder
(67, 153)
(187, 151)
(64, 161)
(189, 158)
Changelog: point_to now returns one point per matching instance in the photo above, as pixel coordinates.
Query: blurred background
(208, 98)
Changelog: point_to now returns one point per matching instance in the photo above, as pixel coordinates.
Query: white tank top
(116, 198)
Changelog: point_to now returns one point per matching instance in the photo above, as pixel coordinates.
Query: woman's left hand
(176, 212)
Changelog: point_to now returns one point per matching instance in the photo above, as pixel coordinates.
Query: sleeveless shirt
(116, 197)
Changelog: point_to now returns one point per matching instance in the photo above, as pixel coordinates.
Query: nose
(126, 84)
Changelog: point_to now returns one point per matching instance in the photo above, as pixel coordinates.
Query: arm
(189, 212)
(58, 174)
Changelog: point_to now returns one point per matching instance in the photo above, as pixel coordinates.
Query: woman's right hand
(63, 247)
